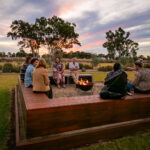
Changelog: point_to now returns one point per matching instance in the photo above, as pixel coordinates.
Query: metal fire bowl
(85, 87)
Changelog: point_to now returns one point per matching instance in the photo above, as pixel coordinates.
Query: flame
(83, 82)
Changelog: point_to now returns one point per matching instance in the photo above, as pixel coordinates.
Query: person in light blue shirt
(28, 75)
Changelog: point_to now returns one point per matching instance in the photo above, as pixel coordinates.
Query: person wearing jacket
(115, 84)
(41, 82)
(24, 67)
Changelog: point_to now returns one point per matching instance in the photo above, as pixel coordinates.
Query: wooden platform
(43, 116)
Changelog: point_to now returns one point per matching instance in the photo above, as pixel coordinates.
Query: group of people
(58, 71)
(35, 74)
(117, 84)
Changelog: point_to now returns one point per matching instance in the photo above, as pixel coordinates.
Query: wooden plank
(81, 137)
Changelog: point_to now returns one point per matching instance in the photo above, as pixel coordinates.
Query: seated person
(24, 67)
(74, 67)
(28, 75)
(41, 82)
(133, 68)
(115, 84)
(58, 73)
(141, 83)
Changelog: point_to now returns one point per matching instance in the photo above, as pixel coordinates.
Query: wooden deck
(45, 116)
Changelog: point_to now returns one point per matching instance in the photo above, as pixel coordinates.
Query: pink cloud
(87, 46)
(92, 44)
(86, 36)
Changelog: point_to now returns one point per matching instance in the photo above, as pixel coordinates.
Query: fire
(83, 82)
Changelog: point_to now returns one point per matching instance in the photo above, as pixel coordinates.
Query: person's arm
(136, 80)
(62, 70)
(77, 67)
(130, 69)
(46, 79)
(54, 69)
(31, 71)
(70, 67)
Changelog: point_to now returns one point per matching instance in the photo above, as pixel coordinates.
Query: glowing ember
(83, 82)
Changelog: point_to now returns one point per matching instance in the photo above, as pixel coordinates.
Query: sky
(92, 17)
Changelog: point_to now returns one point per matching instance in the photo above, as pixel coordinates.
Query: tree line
(57, 35)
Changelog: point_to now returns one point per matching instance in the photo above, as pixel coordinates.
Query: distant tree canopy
(119, 45)
(55, 33)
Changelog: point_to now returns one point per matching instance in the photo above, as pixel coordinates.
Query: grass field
(8, 81)
(100, 76)
(136, 142)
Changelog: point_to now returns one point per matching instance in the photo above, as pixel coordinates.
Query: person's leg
(130, 87)
(77, 76)
(63, 80)
(74, 77)
(58, 82)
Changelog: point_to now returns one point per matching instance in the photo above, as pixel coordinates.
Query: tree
(26, 33)
(56, 33)
(2, 54)
(21, 53)
(119, 45)
(53, 32)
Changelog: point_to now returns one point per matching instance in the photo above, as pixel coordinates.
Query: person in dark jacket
(115, 84)
(24, 67)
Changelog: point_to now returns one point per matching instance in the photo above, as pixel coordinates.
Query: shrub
(16, 68)
(127, 61)
(106, 68)
(83, 69)
(80, 66)
(87, 66)
(67, 66)
(1, 67)
(8, 67)
(146, 65)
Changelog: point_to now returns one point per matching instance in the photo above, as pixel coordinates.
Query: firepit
(84, 85)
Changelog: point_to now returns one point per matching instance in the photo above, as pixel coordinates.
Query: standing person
(115, 84)
(141, 83)
(24, 67)
(28, 75)
(74, 67)
(58, 73)
(41, 82)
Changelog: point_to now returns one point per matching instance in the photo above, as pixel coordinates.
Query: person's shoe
(64, 86)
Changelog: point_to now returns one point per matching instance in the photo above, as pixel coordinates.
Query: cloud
(93, 18)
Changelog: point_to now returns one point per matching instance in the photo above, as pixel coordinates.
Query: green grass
(7, 82)
(100, 76)
(136, 142)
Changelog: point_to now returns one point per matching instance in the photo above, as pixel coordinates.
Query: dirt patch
(71, 90)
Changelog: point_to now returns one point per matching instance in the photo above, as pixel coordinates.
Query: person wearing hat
(74, 67)
(141, 83)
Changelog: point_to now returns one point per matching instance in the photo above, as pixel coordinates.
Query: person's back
(24, 67)
(143, 83)
(28, 76)
(118, 83)
(115, 84)
(40, 80)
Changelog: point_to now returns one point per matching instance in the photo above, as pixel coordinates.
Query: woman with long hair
(58, 73)
(41, 82)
